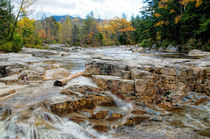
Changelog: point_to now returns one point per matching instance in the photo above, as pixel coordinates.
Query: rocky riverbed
(125, 92)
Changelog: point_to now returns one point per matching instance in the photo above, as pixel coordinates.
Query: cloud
(105, 9)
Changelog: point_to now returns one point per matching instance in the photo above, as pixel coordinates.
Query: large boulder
(106, 66)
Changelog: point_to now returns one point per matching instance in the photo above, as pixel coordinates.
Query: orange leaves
(159, 23)
(185, 2)
(157, 15)
(121, 25)
(110, 29)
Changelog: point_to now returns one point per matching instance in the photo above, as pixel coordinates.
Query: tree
(4, 19)
(173, 21)
(75, 37)
(89, 33)
(22, 7)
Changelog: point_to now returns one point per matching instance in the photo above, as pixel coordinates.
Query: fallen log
(63, 82)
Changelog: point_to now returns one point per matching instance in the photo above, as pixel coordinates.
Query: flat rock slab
(10, 79)
(115, 84)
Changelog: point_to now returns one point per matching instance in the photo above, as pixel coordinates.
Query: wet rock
(56, 74)
(103, 66)
(138, 112)
(78, 98)
(199, 53)
(76, 49)
(139, 74)
(114, 116)
(172, 49)
(10, 79)
(65, 105)
(139, 50)
(132, 121)
(78, 117)
(39, 52)
(100, 115)
(59, 47)
(30, 75)
(101, 128)
(204, 132)
(8, 68)
(115, 84)
(156, 118)
(7, 93)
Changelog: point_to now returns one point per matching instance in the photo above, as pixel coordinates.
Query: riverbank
(125, 93)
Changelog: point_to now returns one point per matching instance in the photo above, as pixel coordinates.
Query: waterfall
(120, 103)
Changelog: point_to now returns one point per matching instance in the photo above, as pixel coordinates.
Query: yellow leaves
(198, 3)
(157, 15)
(177, 18)
(172, 11)
(159, 23)
(186, 2)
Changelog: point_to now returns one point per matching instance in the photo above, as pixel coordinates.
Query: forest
(181, 23)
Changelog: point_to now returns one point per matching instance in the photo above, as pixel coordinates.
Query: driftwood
(63, 82)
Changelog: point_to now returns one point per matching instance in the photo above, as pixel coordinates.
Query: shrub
(17, 44)
(6, 47)
(146, 43)
(165, 43)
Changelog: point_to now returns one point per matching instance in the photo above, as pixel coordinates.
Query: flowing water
(23, 114)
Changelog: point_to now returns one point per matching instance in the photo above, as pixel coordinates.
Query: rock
(59, 47)
(10, 79)
(30, 75)
(155, 46)
(139, 74)
(115, 84)
(138, 111)
(199, 53)
(65, 105)
(39, 52)
(8, 68)
(114, 116)
(103, 66)
(7, 93)
(132, 121)
(101, 128)
(78, 98)
(139, 50)
(156, 118)
(100, 115)
(75, 49)
(56, 74)
(172, 49)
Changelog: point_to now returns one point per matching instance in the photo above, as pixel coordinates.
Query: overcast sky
(105, 9)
